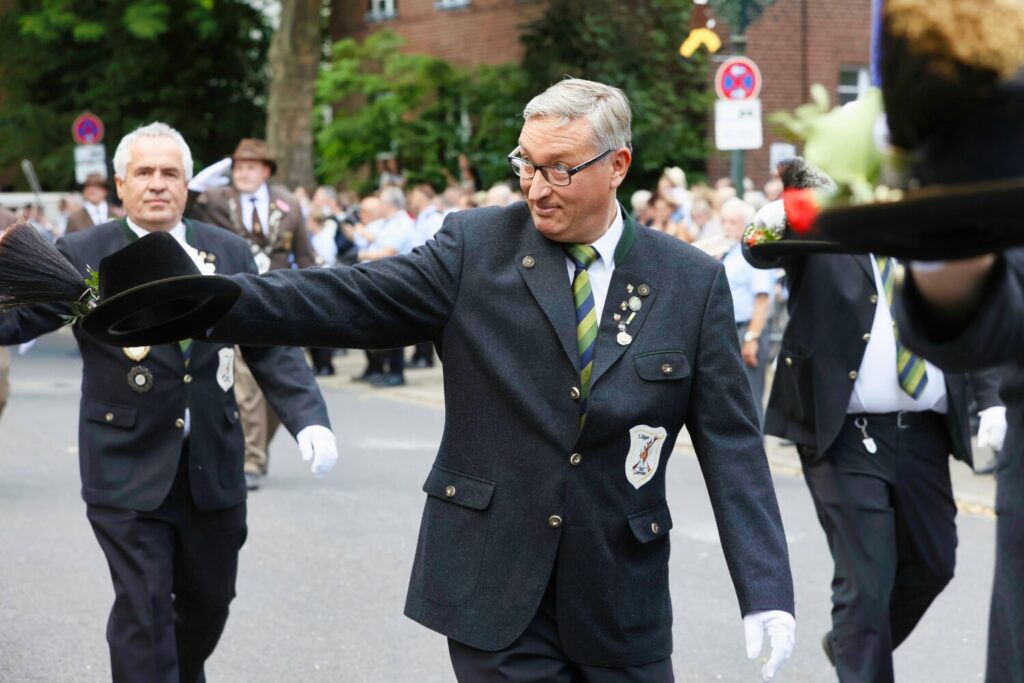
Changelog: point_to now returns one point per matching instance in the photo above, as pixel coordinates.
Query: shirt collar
(177, 232)
(607, 243)
(262, 195)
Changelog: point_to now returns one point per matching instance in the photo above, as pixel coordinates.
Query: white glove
(781, 627)
(214, 175)
(317, 443)
(992, 428)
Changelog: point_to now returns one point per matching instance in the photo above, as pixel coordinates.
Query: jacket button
(853, 374)
(666, 369)
(449, 490)
(179, 423)
(575, 459)
(655, 528)
(574, 393)
(789, 361)
(873, 298)
(187, 379)
(109, 417)
(643, 290)
(529, 262)
(235, 414)
(866, 337)
(554, 521)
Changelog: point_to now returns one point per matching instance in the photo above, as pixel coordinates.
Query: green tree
(635, 46)
(195, 64)
(419, 107)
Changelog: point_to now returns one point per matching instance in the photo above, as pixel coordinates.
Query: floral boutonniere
(769, 225)
(90, 297)
(282, 205)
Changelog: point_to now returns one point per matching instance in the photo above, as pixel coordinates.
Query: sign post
(90, 155)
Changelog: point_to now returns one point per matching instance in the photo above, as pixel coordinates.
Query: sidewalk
(975, 494)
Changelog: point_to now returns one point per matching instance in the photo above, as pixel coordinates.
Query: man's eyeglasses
(556, 174)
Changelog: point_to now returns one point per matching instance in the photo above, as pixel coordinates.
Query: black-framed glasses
(556, 174)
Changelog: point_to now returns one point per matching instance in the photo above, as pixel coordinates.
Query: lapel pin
(529, 262)
(643, 290)
(140, 379)
(635, 304)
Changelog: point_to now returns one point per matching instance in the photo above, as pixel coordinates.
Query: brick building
(794, 42)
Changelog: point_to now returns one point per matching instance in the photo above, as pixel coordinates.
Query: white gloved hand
(992, 427)
(781, 627)
(214, 175)
(317, 443)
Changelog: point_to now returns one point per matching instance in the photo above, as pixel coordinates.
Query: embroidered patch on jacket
(644, 453)
(226, 369)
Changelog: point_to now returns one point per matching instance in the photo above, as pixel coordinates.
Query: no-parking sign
(738, 78)
(87, 129)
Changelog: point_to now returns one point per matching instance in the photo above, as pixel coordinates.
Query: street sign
(738, 78)
(738, 124)
(90, 159)
(87, 129)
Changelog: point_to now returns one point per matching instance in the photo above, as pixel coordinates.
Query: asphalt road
(324, 572)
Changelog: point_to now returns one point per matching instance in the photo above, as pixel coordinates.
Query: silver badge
(634, 303)
(140, 379)
(624, 338)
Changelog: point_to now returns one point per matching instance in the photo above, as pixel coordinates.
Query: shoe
(420, 363)
(387, 381)
(826, 645)
(367, 377)
(252, 481)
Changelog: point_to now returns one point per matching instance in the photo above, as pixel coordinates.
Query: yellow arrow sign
(700, 36)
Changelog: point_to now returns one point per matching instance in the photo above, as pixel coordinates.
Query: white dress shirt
(601, 270)
(178, 233)
(99, 213)
(262, 204)
(877, 389)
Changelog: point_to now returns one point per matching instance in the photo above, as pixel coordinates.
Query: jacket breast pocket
(661, 366)
(453, 534)
(794, 384)
(644, 604)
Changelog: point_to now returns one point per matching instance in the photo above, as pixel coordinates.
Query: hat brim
(269, 162)
(936, 223)
(798, 247)
(162, 311)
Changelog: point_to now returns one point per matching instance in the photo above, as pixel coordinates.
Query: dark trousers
(424, 351)
(537, 657)
(322, 359)
(890, 522)
(174, 576)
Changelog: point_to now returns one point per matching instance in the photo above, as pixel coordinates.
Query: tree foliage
(195, 64)
(419, 107)
(634, 46)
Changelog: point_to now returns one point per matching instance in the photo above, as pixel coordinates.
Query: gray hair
(738, 205)
(604, 107)
(153, 130)
(393, 196)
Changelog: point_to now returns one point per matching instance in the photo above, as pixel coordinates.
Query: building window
(450, 4)
(381, 10)
(854, 82)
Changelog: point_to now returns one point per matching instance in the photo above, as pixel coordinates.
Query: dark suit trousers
(1006, 615)
(890, 522)
(174, 576)
(537, 657)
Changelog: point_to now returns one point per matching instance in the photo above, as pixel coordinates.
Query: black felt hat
(151, 292)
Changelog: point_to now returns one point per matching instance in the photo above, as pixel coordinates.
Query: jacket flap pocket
(662, 365)
(458, 488)
(652, 523)
(106, 413)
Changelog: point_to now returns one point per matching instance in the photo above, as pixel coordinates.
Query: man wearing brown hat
(270, 218)
(95, 210)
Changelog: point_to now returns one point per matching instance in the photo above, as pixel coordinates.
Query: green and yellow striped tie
(582, 256)
(910, 367)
